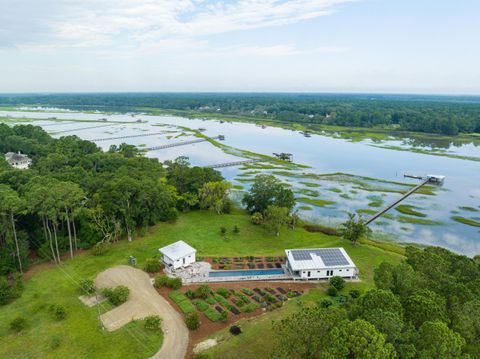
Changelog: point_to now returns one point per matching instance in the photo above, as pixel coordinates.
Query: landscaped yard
(80, 332)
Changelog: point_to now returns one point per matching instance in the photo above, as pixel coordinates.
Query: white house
(178, 254)
(18, 160)
(320, 263)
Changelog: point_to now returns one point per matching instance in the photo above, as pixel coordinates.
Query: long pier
(235, 163)
(83, 128)
(122, 137)
(390, 206)
(184, 143)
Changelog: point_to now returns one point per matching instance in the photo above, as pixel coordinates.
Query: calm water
(324, 155)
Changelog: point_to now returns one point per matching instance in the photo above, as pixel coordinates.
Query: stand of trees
(426, 307)
(76, 196)
(447, 115)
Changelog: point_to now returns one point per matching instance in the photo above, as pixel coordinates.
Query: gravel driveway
(144, 300)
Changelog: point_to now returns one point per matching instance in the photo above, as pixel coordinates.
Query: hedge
(213, 314)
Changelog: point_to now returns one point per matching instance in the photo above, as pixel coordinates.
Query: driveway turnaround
(144, 301)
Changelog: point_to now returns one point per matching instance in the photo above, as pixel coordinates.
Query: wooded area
(431, 114)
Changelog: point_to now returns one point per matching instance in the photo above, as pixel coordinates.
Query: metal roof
(177, 250)
(317, 258)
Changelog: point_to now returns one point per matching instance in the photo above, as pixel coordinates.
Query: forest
(428, 306)
(75, 196)
(446, 115)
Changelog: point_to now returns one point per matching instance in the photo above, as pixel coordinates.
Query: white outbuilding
(320, 263)
(18, 160)
(178, 254)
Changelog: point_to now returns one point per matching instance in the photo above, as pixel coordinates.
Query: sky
(387, 46)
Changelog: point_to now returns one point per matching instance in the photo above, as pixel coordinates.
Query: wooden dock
(124, 137)
(84, 128)
(184, 143)
(390, 206)
(235, 163)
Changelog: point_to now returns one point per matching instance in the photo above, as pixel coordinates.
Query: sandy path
(144, 300)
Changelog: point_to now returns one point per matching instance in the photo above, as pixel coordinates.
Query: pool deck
(198, 273)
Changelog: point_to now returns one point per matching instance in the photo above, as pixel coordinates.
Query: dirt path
(144, 300)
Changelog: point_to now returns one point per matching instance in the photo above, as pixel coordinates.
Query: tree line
(447, 115)
(427, 306)
(76, 196)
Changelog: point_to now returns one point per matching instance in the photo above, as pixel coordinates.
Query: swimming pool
(246, 273)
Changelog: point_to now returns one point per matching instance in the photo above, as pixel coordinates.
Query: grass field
(80, 333)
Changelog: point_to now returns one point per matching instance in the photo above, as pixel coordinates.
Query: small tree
(87, 286)
(203, 291)
(58, 311)
(192, 321)
(354, 229)
(175, 283)
(337, 282)
(332, 291)
(256, 218)
(223, 231)
(117, 295)
(275, 218)
(153, 322)
(161, 281)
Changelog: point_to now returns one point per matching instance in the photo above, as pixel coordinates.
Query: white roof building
(320, 263)
(178, 254)
(18, 160)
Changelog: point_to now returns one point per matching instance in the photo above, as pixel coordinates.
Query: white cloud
(90, 23)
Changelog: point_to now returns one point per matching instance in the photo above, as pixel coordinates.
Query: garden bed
(247, 262)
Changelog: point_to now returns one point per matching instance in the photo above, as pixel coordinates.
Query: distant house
(178, 254)
(320, 263)
(18, 160)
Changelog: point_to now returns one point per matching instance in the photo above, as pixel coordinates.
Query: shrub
(203, 291)
(152, 265)
(190, 294)
(225, 293)
(55, 342)
(175, 283)
(58, 311)
(87, 286)
(332, 291)
(337, 282)
(354, 293)
(249, 307)
(223, 231)
(18, 324)
(192, 321)
(247, 291)
(210, 300)
(201, 304)
(100, 249)
(224, 316)
(256, 218)
(161, 281)
(235, 330)
(212, 314)
(117, 295)
(9, 290)
(236, 230)
(153, 322)
(325, 302)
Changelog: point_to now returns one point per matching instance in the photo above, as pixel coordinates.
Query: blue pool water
(243, 273)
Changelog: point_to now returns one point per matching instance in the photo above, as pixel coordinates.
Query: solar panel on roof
(329, 256)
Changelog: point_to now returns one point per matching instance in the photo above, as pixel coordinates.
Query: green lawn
(80, 333)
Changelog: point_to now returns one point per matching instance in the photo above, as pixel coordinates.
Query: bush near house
(152, 265)
(153, 322)
(87, 287)
(337, 282)
(192, 321)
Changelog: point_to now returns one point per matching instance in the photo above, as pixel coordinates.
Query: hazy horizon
(266, 46)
